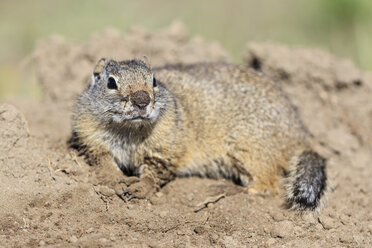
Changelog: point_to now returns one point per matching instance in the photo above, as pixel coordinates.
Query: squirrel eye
(154, 84)
(111, 84)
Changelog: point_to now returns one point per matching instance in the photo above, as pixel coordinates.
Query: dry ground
(51, 197)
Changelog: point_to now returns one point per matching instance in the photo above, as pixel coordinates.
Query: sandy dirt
(51, 197)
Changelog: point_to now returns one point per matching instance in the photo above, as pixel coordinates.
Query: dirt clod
(282, 229)
(327, 222)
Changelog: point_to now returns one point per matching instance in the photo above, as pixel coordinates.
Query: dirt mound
(51, 197)
(63, 69)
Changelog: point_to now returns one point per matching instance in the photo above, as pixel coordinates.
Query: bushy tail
(307, 181)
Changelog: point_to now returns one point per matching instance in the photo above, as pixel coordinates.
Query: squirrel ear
(146, 60)
(99, 67)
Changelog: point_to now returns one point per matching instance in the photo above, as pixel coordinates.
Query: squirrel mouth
(132, 116)
(138, 118)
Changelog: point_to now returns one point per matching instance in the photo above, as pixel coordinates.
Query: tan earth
(51, 197)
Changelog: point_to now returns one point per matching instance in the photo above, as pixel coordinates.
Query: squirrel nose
(140, 99)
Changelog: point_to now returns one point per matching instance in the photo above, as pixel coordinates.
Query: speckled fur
(209, 119)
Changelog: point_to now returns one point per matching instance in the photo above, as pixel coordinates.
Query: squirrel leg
(250, 170)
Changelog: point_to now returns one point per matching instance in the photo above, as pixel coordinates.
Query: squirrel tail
(307, 181)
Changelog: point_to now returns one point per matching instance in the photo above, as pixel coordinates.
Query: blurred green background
(343, 27)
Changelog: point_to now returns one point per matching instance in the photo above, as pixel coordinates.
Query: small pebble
(163, 214)
(73, 239)
(278, 216)
(104, 190)
(131, 180)
(159, 194)
(370, 228)
(282, 229)
(103, 240)
(369, 216)
(327, 222)
(297, 230)
(199, 230)
(344, 219)
(190, 197)
(309, 218)
(214, 237)
(270, 242)
(346, 238)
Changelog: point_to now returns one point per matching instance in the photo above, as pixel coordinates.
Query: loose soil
(51, 197)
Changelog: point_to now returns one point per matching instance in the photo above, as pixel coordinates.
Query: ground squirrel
(208, 119)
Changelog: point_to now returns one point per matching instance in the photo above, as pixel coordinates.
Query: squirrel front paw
(135, 187)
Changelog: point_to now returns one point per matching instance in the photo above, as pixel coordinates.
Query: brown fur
(217, 120)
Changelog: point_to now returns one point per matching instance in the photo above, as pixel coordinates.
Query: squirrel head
(124, 92)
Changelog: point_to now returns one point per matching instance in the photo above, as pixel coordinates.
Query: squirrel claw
(126, 196)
